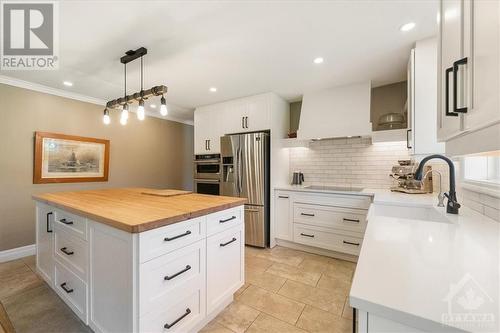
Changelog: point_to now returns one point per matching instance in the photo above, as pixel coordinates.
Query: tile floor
(289, 291)
(285, 291)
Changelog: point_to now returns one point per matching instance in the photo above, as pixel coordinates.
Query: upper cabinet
(469, 69)
(249, 114)
(323, 113)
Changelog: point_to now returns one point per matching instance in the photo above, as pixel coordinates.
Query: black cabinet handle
(66, 221)
(167, 239)
(242, 122)
(227, 243)
(408, 138)
(282, 197)
(307, 235)
(246, 122)
(208, 144)
(65, 251)
(48, 221)
(350, 243)
(168, 326)
(447, 94)
(66, 289)
(350, 220)
(307, 214)
(354, 320)
(457, 63)
(177, 274)
(227, 220)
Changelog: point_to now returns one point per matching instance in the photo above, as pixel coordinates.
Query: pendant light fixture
(140, 97)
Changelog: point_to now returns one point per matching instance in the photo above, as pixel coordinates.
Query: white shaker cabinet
(469, 74)
(44, 241)
(207, 130)
(284, 228)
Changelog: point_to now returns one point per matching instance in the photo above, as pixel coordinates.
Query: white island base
(174, 278)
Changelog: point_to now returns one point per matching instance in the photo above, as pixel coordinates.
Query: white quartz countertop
(421, 273)
(324, 189)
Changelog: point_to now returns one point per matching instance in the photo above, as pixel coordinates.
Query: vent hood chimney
(337, 112)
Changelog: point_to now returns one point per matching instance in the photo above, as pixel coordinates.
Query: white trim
(18, 252)
(67, 94)
(48, 90)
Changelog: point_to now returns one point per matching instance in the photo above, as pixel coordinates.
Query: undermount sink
(430, 214)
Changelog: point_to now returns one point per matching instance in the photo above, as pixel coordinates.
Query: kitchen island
(141, 260)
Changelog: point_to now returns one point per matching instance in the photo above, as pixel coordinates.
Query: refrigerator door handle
(240, 171)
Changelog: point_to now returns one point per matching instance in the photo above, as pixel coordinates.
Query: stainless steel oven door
(207, 186)
(209, 169)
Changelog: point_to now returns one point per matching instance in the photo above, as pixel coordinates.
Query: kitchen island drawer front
(346, 201)
(71, 223)
(71, 251)
(72, 290)
(327, 239)
(156, 242)
(223, 220)
(165, 278)
(225, 265)
(182, 316)
(330, 217)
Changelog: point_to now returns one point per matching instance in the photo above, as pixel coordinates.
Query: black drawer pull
(346, 242)
(66, 289)
(282, 197)
(178, 236)
(65, 251)
(177, 274)
(48, 221)
(307, 235)
(227, 243)
(66, 221)
(350, 220)
(307, 214)
(168, 326)
(227, 220)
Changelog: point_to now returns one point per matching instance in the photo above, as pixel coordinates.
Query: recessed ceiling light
(318, 60)
(212, 89)
(407, 26)
(152, 106)
(68, 84)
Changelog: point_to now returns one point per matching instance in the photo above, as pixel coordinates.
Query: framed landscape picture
(63, 158)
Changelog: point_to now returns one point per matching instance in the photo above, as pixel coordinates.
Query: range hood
(337, 112)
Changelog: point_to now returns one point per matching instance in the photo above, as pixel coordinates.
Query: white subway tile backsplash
(483, 203)
(348, 162)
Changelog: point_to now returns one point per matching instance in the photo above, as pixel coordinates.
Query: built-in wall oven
(207, 174)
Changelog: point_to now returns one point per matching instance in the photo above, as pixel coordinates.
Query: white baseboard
(18, 252)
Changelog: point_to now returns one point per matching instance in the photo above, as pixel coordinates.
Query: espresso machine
(404, 178)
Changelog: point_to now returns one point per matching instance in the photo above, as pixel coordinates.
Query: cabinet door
(450, 50)
(44, 241)
(482, 36)
(257, 117)
(201, 130)
(284, 227)
(225, 260)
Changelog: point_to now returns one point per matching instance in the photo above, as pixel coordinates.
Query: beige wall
(387, 99)
(154, 153)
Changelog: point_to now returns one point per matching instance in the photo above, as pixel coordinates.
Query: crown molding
(79, 97)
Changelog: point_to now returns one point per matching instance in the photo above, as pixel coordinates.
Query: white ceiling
(240, 47)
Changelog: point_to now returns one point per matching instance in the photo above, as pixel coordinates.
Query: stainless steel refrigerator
(245, 173)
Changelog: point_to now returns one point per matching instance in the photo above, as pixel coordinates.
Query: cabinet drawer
(72, 290)
(330, 217)
(182, 316)
(337, 200)
(71, 251)
(71, 223)
(225, 260)
(223, 220)
(326, 238)
(156, 242)
(166, 278)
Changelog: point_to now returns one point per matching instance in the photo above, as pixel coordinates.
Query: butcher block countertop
(131, 210)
